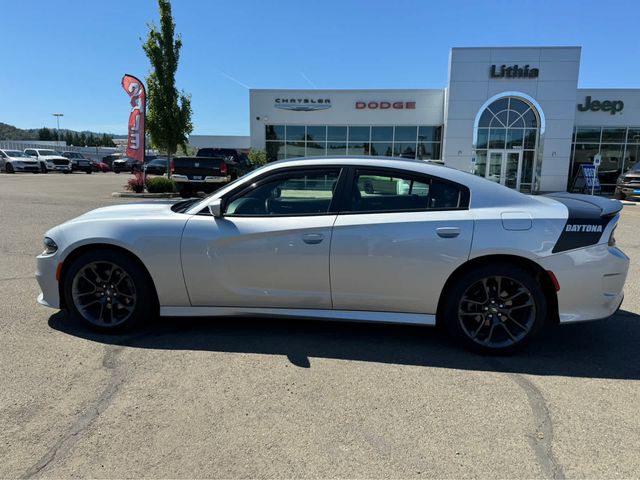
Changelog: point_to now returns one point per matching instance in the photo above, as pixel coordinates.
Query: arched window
(508, 123)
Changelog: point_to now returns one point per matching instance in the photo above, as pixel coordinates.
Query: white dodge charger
(364, 239)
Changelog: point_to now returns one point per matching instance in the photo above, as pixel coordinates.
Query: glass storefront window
(428, 151)
(275, 132)
(295, 149)
(295, 132)
(322, 140)
(530, 138)
(483, 138)
(405, 134)
(429, 134)
(359, 134)
(316, 133)
(337, 134)
(615, 135)
(382, 134)
(515, 138)
(481, 163)
(633, 135)
(358, 148)
(404, 150)
(382, 149)
(497, 138)
(588, 134)
(336, 148)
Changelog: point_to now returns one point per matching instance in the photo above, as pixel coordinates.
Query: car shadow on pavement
(602, 349)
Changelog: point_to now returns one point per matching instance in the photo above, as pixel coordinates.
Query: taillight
(554, 280)
(612, 239)
(223, 168)
(173, 166)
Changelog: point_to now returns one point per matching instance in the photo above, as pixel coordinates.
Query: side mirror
(215, 207)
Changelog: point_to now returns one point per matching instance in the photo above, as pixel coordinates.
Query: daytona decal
(583, 228)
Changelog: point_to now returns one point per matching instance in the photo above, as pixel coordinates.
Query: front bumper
(46, 266)
(591, 281)
(26, 168)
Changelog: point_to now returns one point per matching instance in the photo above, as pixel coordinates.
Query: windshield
(73, 155)
(14, 153)
(48, 152)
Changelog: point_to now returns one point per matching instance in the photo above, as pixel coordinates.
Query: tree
(168, 117)
(44, 134)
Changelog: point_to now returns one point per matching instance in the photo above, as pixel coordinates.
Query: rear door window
(391, 190)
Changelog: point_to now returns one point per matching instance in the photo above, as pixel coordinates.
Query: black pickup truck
(200, 174)
(237, 163)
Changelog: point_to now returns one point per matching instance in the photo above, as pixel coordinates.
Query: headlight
(50, 247)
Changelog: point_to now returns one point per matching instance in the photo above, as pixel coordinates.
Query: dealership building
(513, 115)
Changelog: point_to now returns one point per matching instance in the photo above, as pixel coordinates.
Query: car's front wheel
(108, 291)
(9, 168)
(495, 308)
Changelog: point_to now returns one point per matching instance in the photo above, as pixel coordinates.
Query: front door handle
(448, 232)
(312, 238)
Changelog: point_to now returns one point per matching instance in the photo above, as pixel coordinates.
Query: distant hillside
(9, 132)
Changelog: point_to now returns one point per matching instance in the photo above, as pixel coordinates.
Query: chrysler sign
(302, 104)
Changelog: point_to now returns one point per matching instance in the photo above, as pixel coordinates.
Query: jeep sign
(612, 106)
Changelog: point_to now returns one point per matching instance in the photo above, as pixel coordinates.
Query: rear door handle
(312, 238)
(448, 232)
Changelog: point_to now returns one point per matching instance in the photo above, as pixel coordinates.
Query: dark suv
(237, 163)
(79, 163)
(628, 184)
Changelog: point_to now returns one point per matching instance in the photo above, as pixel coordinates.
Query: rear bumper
(184, 179)
(591, 281)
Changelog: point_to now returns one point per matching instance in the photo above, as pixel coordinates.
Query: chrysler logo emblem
(303, 104)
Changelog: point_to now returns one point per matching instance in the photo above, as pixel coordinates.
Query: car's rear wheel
(9, 168)
(495, 309)
(108, 291)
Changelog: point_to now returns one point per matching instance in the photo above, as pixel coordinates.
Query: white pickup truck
(49, 160)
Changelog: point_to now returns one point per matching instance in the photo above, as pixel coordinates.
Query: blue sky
(69, 56)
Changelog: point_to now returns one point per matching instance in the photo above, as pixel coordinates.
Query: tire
(66, 172)
(43, 168)
(493, 318)
(103, 306)
(117, 173)
(88, 172)
(9, 168)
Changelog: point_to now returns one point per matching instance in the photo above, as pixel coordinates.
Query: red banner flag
(135, 132)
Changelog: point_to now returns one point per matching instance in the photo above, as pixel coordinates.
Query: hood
(130, 211)
(53, 157)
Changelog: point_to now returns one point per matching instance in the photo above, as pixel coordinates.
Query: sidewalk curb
(144, 195)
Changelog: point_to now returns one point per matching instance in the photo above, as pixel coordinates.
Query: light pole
(58, 115)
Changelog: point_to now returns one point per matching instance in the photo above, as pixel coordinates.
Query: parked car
(157, 166)
(79, 162)
(628, 184)
(300, 238)
(199, 174)
(100, 166)
(127, 164)
(49, 160)
(237, 163)
(108, 159)
(12, 161)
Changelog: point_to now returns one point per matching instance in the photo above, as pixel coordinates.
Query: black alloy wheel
(108, 291)
(496, 309)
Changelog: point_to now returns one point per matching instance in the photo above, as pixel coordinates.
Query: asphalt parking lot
(266, 398)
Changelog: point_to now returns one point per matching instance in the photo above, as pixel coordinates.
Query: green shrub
(160, 185)
(257, 158)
